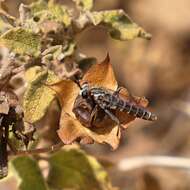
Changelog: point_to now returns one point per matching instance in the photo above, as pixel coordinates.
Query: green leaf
(119, 25)
(72, 168)
(38, 6)
(51, 11)
(38, 96)
(18, 144)
(58, 52)
(59, 14)
(69, 49)
(28, 174)
(21, 41)
(52, 53)
(84, 5)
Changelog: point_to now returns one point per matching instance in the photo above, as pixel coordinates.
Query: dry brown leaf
(101, 74)
(76, 124)
(67, 92)
(87, 140)
(71, 130)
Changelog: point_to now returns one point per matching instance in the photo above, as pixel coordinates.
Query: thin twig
(158, 161)
(38, 150)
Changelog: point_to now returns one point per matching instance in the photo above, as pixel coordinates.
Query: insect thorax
(104, 98)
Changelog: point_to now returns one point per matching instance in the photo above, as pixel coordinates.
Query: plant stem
(38, 150)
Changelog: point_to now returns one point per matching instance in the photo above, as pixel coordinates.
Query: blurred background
(159, 70)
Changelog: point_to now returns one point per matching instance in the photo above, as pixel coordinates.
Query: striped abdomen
(107, 100)
(136, 110)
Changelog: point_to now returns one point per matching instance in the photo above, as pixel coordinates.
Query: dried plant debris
(94, 120)
(11, 125)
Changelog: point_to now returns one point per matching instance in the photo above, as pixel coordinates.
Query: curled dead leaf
(71, 130)
(77, 123)
(102, 75)
(67, 92)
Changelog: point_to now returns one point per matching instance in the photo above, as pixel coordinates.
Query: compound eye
(84, 94)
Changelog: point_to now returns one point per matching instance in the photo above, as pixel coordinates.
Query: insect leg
(110, 114)
(114, 118)
(93, 114)
(1, 119)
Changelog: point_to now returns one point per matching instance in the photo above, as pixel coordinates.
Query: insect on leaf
(76, 123)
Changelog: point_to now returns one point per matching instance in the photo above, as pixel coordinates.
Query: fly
(109, 100)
